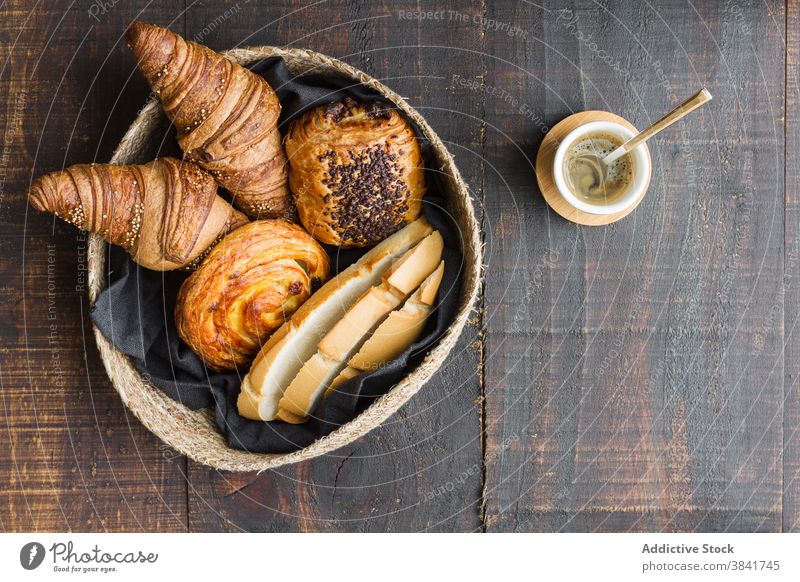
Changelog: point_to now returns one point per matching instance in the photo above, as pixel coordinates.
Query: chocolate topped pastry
(356, 172)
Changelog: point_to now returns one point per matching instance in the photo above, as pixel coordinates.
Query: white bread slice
(316, 375)
(401, 328)
(295, 342)
(251, 402)
(429, 288)
(370, 309)
(322, 373)
(403, 277)
(346, 374)
(305, 391)
(411, 270)
(287, 416)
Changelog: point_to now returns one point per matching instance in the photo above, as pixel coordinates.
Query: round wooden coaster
(544, 169)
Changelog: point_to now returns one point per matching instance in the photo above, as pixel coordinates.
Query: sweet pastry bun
(286, 352)
(245, 289)
(356, 172)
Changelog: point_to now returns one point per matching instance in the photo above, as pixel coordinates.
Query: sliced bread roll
(294, 343)
(403, 277)
(346, 374)
(305, 391)
(309, 386)
(401, 328)
(416, 265)
(385, 340)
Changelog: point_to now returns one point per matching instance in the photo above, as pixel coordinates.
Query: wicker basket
(194, 433)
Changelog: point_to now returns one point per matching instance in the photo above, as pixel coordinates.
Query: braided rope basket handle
(194, 432)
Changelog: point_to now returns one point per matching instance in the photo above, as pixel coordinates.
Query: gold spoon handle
(682, 110)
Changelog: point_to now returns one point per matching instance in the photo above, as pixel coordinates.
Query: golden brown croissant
(247, 286)
(225, 115)
(356, 172)
(165, 214)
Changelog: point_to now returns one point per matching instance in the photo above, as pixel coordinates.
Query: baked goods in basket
(165, 214)
(356, 172)
(226, 116)
(297, 365)
(247, 286)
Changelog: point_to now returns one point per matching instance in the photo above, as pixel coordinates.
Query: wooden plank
(791, 316)
(75, 459)
(624, 388)
(422, 470)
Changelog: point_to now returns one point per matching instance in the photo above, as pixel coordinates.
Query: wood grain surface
(637, 377)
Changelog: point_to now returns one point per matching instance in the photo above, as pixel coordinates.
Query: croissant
(356, 172)
(165, 214)
(246, 287)
(225, 115)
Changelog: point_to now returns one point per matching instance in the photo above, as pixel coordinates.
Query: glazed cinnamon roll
(247, 286)
(356, 172)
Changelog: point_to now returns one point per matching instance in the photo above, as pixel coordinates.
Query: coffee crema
(585, 174)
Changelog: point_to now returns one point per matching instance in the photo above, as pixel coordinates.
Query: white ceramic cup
(641, 168)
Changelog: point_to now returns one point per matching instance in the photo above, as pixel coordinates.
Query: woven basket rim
(194, 433)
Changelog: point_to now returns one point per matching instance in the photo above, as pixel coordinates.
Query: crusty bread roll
(377, 302)
(325, 367)
(307, 388)
(289, 348)
(356, 172)
(347, 373)
(398, 331)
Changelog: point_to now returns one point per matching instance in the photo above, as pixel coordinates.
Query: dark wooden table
(637, 377)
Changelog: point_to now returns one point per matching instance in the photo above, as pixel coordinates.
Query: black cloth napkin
(135, 312)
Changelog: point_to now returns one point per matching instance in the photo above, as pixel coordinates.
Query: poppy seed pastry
(356, 172)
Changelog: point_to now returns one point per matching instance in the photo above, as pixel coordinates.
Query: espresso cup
(640, 157)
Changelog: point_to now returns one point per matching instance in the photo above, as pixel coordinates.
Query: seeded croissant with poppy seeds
(165, 214)
(226, 117)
